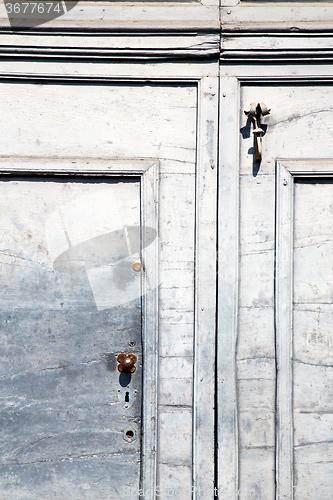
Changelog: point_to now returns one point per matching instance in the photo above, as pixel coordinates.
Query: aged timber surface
(313, 347)
(62, 406)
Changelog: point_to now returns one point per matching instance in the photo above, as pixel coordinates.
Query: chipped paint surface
(134, 124)
(62, 420)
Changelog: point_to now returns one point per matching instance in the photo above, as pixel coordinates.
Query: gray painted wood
(136, 18)
(307, 230)
(148, 195)
(150, 282)
(227, 321)
(255, 346)
(140, 47)
(284, 340)
(63, 409)
(149, 116)
(313, 368)
(272, 15)
(203, 441)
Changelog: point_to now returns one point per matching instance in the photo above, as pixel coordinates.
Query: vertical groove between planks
(283, 307)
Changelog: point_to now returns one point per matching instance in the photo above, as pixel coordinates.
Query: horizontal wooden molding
(281, 46)
(269, 55)
(123, 16)
(289, 28)
(147, 46)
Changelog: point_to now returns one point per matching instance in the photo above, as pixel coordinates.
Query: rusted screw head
(137, 266)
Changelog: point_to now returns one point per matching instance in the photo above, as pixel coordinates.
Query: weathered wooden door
(282, 396)
(92, 168)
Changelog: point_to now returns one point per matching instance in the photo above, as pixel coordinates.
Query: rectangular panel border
(286, 172)
(148, 171)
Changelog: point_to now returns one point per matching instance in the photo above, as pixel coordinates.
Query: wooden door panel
(64, 408)
(284, 353)
(313, 348)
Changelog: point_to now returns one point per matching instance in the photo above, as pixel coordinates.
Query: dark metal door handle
(126, 362)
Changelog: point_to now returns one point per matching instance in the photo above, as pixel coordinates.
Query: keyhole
(127, 397)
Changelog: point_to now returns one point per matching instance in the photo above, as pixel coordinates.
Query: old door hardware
(129, 435)
(137, 266)
(126, 396)
(256, 111)
(126, 362)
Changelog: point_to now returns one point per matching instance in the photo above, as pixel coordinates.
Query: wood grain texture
(279, 14)
(256, 333)
(313, 367)
(193, 167)
(75, 108)
(63, 418)
(313, 338)
(311, 112)
(177, 192)
(228, 306)
(314, 470)
(144, 47)
(312, 274)
(284, 340)
(118, 16)
(256, 474)
(312, 426)
(149, 288)
(311, 381)
(175, 437)
(203, 443)
(176, 481)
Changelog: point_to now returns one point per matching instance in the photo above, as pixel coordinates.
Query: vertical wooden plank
(205, 288)
(284, 337)
(227, 318)
(149, 217)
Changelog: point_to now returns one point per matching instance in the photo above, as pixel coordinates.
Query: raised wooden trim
(105, 46)
(73, 166)
(283, 332)
(279, 73)
(203, 438)
(293, 14)
(130, 16)
(322, 167)
(290, 28)
(227, 318)
(149, 217)
(286, 172)
(289, 46)
(251, 55)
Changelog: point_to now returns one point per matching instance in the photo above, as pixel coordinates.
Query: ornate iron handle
(126, 362)
(255, 113)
